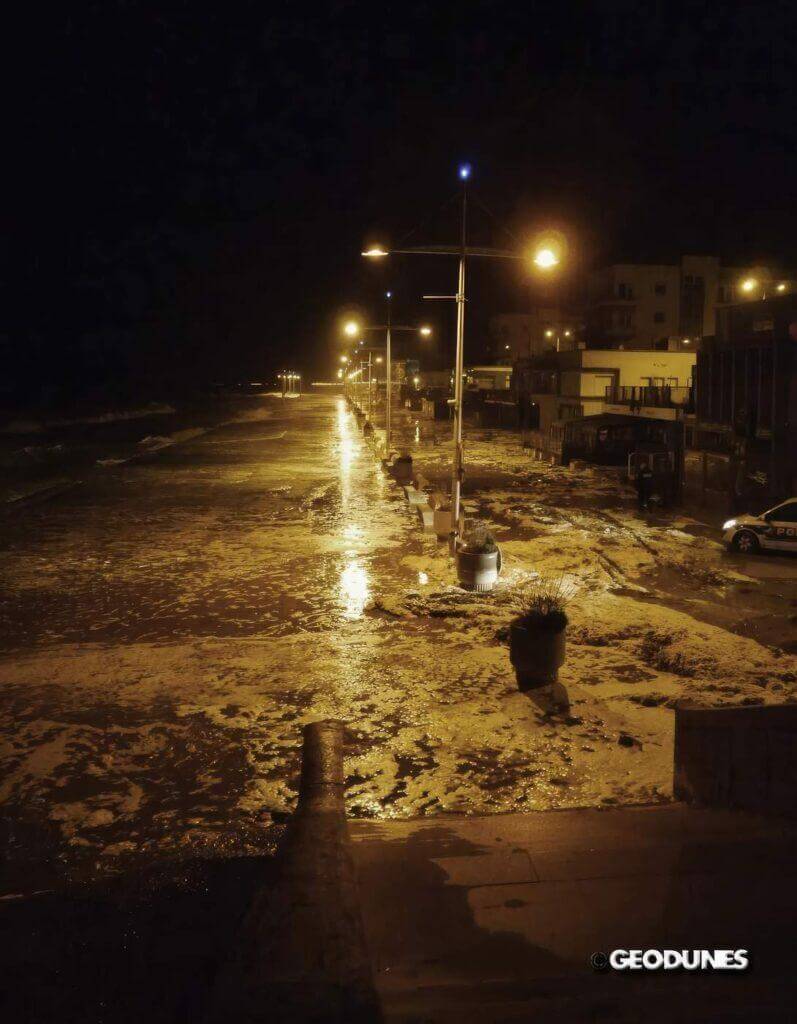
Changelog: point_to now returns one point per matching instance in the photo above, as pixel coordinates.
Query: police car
(775, 530)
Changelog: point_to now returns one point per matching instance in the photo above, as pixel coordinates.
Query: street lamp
(351, 328)
(546, 257)
(388, 327)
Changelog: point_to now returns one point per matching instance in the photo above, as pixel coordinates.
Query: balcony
(656, 397)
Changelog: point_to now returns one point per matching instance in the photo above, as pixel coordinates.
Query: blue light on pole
(464, 171)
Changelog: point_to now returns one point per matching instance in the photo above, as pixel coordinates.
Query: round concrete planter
(443, 522)
(478, 570)
(536, 654)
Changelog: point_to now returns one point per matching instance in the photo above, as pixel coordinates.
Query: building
(561, 386)
(488, 378)
(653, 305)
(744, 442)
(517, 335)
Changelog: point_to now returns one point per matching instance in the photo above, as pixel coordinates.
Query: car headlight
(730, 524)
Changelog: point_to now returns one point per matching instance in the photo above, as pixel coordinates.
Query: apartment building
(644, 305)
(744, 450)
(518, 335)
(563, 386)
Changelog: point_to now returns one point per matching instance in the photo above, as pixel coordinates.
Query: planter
(443, 523)
(368, 430)
(478, 570)
(536, 654)
(401, 470)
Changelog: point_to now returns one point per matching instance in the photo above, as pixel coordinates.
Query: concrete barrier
(741, 757)
(426, 516)
(414, 497)
(302, 953)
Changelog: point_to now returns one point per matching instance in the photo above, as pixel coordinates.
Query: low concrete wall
(742, 757)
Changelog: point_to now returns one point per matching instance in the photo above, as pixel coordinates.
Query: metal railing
(659, 396)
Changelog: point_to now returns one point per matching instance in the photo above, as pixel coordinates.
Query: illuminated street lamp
(351, 328)
(388, 328)
(546, 257)
(749, 284)
(344, 359)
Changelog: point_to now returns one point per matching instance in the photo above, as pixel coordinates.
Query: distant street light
(351, 328)
(344, 359)
(749, 284)
(389, 327)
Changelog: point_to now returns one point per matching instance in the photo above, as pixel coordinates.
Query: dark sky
(191, 187)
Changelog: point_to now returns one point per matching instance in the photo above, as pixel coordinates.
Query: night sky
(188, 190)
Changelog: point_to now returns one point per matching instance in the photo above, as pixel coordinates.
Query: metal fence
(657, 396)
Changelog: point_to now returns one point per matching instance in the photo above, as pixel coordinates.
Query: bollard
(303, 955)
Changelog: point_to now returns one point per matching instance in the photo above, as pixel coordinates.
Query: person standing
(644, 485)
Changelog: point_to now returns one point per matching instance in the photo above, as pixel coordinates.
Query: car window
(785, 513)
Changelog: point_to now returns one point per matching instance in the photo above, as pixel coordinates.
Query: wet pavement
(167, 627)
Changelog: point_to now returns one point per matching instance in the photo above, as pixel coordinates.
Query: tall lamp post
(544, 258)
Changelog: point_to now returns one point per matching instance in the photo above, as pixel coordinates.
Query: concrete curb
(302, 954)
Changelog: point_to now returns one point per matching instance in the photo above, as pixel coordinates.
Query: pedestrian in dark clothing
(644, 486)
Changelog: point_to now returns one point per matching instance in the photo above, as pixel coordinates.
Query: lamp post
(388, 327)
(545, 258)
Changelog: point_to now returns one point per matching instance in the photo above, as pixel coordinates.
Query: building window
(660, 288)
(658, 317)
(625, 291)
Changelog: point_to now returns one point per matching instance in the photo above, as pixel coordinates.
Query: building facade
(652, 305)
(523, 335)
(744, 444)
(561, 386)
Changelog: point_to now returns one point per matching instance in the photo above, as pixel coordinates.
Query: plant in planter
(478, 561)
(537, 636)
(401, 469)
